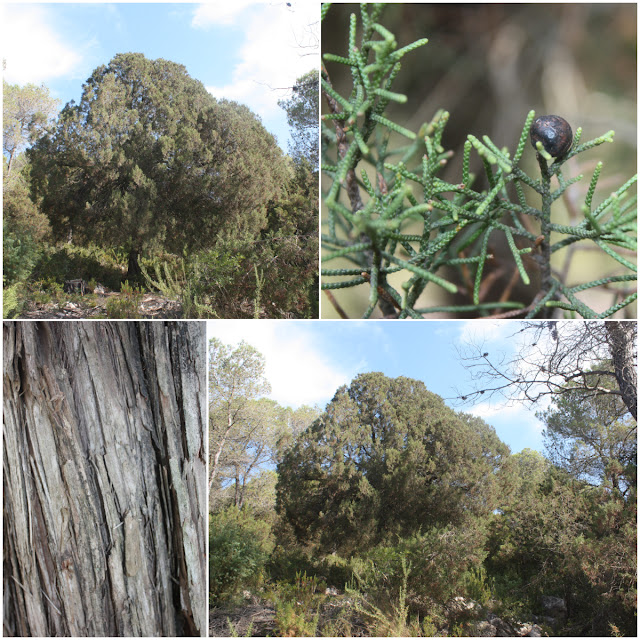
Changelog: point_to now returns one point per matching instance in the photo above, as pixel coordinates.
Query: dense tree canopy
(387, 458)
(556, 534)
(149, 158)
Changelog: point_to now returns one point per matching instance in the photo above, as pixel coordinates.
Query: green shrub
(511, 594)
(11, 303)
(337, 571)
(298, 605)
(45, 291)
(379, 573)
(477, 586)
(47, 285)
(127, 304)
(68, 262)
(20, 254)
(305, 590)
(239, 547)
(214, 274)
(391, 620)
(203, 283)
(439, 559)
(285, 562)
(394, 617)
(292, 621)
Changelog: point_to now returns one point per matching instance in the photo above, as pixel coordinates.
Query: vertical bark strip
(622, 347)
(104, 479)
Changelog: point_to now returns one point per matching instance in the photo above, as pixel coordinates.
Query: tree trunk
(216, 458)
(9, 166)
(104, 479)
(621, 344)
(133, 266)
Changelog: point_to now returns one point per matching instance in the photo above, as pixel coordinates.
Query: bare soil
(260, 618)
(256, 617)
(95, 306)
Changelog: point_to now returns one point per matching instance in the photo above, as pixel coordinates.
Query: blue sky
(240, 49)
(306, 361)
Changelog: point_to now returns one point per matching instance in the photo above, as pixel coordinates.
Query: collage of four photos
(320, 319)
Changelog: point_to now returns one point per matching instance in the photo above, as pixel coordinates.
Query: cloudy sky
(306, 361)
(241, 50)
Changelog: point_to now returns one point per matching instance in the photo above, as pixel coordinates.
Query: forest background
(238, 237)
(391, 512)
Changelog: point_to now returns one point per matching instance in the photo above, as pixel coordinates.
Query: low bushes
(239, 547)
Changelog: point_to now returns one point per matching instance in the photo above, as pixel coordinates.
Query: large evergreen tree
(148, 157)
(387, 458)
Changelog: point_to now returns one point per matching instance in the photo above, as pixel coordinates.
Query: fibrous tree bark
(621, 337)
(104, 479)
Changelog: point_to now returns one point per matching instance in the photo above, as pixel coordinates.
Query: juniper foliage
(148, 159)
(377, 196)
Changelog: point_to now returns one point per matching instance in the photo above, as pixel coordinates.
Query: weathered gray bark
(621, 343)
(104, 479)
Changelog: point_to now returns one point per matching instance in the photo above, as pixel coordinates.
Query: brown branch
(336, 304)
(353, 191)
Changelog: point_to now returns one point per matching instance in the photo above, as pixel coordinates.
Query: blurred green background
(488, 65)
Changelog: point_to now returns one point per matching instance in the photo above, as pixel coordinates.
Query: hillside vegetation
(152, 182)
(390, 514)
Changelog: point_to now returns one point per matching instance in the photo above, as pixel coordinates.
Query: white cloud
(515, 424)
(297, 369)
(516, 413)
(33, 51)
(480, 331)
(280, 44)
(510, 350)
(216, 13)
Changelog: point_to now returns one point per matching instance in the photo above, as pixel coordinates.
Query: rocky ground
(238, 621)
(95, 306)
(485, 624)
(257, 618)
